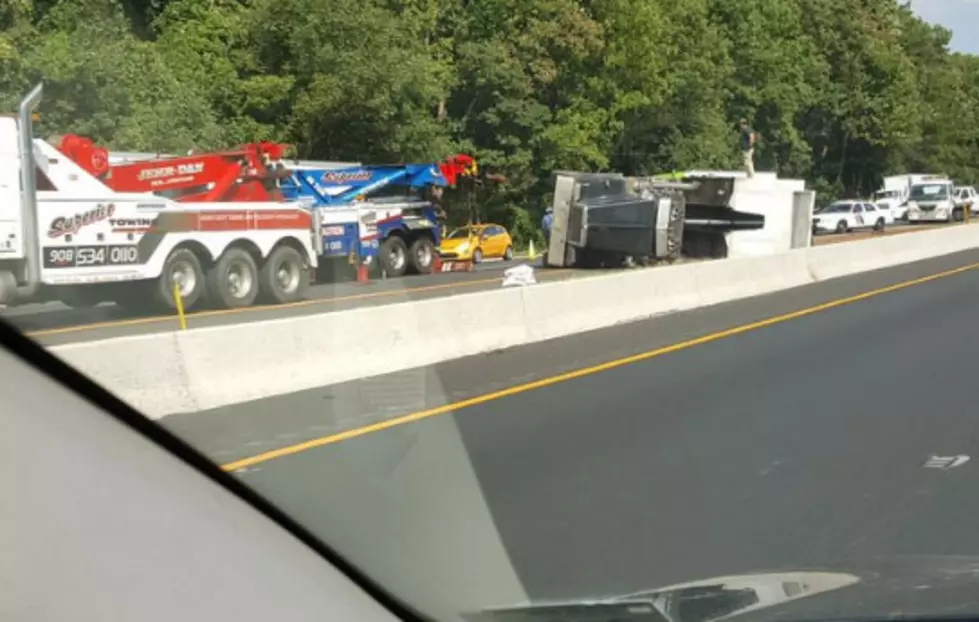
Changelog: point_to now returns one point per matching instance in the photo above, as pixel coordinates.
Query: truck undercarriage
(603, 219)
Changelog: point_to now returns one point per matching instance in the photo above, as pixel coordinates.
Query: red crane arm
(236, 175)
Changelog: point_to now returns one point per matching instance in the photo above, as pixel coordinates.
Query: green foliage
(841, 93)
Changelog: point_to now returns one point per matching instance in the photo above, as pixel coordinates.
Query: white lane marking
(945, 462)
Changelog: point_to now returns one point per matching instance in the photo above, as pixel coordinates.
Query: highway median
(186, 371)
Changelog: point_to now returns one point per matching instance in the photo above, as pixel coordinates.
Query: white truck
(894, 193)
(65, 236)
(933, 201)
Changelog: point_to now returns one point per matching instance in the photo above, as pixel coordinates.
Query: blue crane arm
(343, 185)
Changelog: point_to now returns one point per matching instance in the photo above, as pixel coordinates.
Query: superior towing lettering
(64, 225)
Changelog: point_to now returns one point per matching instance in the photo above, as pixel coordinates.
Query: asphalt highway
(780, 432)
(54, 323)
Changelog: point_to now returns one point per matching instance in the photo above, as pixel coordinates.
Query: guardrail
(186, 371)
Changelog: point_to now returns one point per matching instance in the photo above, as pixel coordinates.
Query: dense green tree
(841, 92)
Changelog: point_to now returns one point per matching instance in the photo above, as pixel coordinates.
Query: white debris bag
(519, 276)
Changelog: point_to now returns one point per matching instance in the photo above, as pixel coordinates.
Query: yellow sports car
(477, 242)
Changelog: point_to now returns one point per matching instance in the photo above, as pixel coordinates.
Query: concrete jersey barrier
(186, 371)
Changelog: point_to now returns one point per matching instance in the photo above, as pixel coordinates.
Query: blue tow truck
(385, 215)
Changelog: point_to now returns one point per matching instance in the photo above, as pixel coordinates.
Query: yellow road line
(578, 373)
(292, 305)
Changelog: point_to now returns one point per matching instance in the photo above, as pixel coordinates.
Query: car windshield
(929, 192)
(458, 234)
(663, 364)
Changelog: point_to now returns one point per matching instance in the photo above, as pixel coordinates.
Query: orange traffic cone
(362, 274)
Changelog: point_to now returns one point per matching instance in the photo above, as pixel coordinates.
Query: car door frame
(500, 240)
(855, 219)
(877, 213)
(488, 242)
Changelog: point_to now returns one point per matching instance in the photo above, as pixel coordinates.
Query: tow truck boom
(337, 186)
(241, 174)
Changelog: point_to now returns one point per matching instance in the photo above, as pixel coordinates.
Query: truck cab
(933, 201)
(20, 273)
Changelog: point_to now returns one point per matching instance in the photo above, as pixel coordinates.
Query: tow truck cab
(20, 266)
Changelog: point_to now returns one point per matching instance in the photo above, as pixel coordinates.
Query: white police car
(843, 216)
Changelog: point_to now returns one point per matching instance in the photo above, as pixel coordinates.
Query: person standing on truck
(748, 147)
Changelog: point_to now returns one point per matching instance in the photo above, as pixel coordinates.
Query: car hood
(905, 588)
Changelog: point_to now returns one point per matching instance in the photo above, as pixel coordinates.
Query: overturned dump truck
(601, 219)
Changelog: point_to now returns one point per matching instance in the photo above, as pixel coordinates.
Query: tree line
(841, 92)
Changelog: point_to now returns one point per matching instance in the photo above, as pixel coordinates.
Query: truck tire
(284, 276)
(182, 266)
(508, 254)
(393, 256)
(232, 282)
(421, 255)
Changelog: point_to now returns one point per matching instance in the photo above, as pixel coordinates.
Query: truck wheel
(183, 268)
(394, 256)
(879, 225)
(284, 277)
(233, 281)
(422, 256)
(508, 254)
